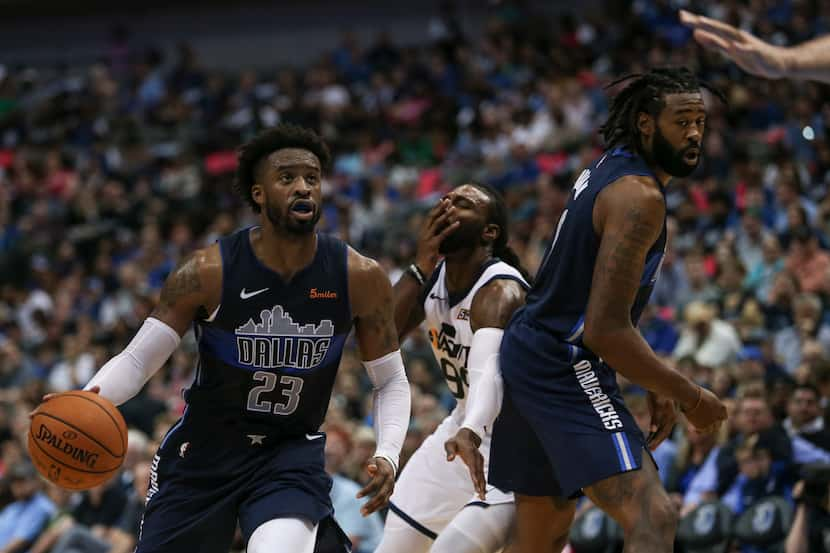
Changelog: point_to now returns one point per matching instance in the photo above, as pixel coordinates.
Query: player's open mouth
(692, 155)
(303, 209)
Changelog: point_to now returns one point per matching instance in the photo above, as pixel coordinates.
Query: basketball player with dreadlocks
(466, 300)
(563, 427)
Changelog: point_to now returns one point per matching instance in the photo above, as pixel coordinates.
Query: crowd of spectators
(109, 173)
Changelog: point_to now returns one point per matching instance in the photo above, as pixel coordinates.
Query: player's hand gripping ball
(77, 439)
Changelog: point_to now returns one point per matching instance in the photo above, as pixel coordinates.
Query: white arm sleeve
(124, 375)
(486, 387)
(392, 404)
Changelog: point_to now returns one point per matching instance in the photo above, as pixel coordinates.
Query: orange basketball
(77, 440)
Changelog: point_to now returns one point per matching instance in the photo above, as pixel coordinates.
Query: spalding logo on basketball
(77, 440)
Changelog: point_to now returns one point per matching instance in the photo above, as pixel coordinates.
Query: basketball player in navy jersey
(466, 300)
(563, 427)
(271, 307)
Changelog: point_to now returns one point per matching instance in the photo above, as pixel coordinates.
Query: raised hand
(439, 225)
(749, 52)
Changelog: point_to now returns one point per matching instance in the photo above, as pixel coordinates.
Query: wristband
(416, 274)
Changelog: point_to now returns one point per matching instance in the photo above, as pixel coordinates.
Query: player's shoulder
(500, 288)
(206, 262)
(362, 267)
(627, 191)
(495, 302)
(368, 282)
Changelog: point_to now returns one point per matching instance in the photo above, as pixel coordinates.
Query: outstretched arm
(371, 300)
(188, 291)
(809, 60)
(628, 216)
(490, 312)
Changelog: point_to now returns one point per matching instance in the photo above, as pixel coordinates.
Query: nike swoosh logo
(245, 295)
(310, 437)
(435, 297)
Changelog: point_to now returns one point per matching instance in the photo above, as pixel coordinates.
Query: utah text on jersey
(277, 341)
(455, 371)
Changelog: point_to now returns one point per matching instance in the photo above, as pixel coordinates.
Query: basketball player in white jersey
(466, 302)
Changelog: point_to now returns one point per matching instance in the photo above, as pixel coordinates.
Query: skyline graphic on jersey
(278, 322)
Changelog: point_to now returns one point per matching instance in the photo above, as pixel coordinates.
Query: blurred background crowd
(110, 171)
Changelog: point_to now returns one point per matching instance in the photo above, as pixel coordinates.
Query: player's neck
(282, 252)
(662, 177)
(463, 269)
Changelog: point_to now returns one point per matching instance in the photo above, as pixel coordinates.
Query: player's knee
(661, 513)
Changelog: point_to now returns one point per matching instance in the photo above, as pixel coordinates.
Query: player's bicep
(373, 306)
(632, 217)
(495, 303)
(187, 291)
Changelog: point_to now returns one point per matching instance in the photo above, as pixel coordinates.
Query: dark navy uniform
(247, 447)
(563, 424)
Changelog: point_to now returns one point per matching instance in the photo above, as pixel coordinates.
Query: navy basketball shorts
(563, 424)
(202, 484)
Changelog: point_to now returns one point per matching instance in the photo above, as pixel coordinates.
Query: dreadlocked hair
(646, 94)
(498, 216)
(264, 144)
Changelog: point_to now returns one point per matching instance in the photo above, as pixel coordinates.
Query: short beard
(464, 238)
(670, 160)
(292, 226)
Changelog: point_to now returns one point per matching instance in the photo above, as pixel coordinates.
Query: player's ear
(490, 233)
(258, 194)
(645, 124)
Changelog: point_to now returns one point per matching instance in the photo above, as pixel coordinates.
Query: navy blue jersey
(269, 355)
(557, 301)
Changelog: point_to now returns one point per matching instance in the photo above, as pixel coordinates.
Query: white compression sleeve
(124, 375)
(392, 404)
(486, 387)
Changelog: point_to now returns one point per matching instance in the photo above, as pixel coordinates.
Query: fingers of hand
(713, 42)
(442, 221)
(382, 490)
(713, 26)
(372, 487)
(435, 212)
(451, 448)
(480, 479)
(688, 18)
(659, 436)
(449, 228)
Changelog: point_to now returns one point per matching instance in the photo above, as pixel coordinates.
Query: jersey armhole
(503, 276)
(212, 316)
(433, 278)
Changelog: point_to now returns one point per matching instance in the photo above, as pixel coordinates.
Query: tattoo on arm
(183, 281)
(381, 324)
(621, 260)
(624, 267)
(374, 305)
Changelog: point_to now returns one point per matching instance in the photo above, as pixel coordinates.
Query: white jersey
(448, 319)
(431, 491)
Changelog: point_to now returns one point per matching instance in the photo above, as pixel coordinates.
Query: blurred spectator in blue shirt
(25, 518)
(364, 532)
